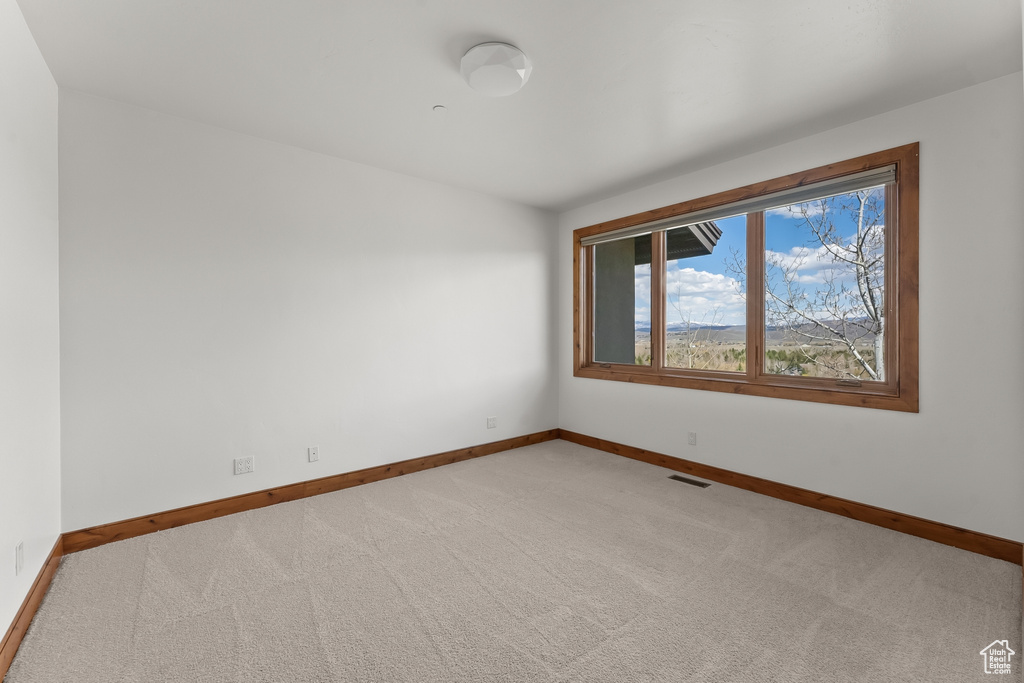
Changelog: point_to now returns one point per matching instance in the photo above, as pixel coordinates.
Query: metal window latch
(848, 382)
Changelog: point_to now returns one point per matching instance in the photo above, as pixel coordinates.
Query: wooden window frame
(900, 389)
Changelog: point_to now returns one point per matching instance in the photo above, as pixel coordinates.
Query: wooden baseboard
(974, 541)
(129, 528)
(9, 645)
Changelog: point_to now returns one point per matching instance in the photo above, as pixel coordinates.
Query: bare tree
(696, 334)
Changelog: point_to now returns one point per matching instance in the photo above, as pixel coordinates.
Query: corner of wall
(29, 306)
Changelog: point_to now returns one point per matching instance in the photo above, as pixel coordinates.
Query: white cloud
(642, 282)
(807, 262)
(798, 258)
(814, 209)
(704, 297)
(817, 207)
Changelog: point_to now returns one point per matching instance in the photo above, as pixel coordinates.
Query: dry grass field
(724, 350)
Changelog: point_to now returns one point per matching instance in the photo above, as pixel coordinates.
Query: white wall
(224, 296)
(29, 345)
(959, 460)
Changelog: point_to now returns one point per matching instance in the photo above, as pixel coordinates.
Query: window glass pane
(705, 301)
(622, 301)
(824, 287)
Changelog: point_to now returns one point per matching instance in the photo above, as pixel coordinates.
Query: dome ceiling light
(495, 69)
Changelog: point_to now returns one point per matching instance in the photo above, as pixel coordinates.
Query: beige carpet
(548, 563)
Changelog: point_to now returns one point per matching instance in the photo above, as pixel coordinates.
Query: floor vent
(691, 482)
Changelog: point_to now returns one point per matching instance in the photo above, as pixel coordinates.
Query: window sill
(869, 395)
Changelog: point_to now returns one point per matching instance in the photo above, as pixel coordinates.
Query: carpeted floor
(548, 563)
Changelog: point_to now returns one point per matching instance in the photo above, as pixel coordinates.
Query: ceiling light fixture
(495, 69)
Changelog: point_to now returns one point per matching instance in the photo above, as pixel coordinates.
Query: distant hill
(736, 334)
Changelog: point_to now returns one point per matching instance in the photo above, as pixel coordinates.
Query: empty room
(452, 340)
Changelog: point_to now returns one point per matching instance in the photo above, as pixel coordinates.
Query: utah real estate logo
(997, 657)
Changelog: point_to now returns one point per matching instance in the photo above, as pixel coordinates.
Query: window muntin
(886, 374)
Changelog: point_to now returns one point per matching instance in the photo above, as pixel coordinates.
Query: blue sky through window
(706, 290)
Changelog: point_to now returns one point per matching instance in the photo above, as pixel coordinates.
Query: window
(802, 287)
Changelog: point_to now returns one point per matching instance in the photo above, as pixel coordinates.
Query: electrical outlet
(492, 422)
(314, 453)
(693, 438)
(243, 465)
(19, 557)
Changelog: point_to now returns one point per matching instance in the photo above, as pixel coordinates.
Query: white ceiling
(622, 92)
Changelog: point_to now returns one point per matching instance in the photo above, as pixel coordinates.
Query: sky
(706, 290)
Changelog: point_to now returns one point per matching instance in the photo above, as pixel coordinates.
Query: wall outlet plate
(19, 557)
(314, 453)
(492, 422)
(692, 438)
(243, 465)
